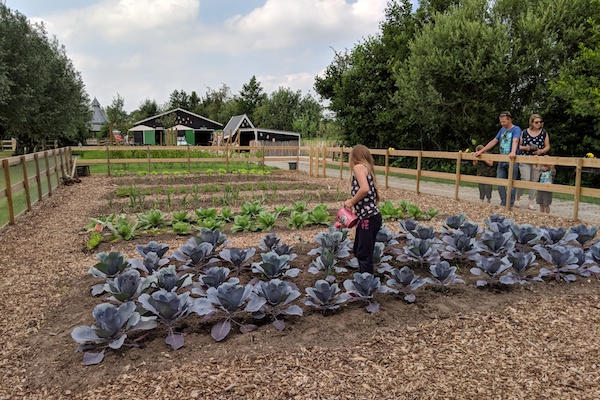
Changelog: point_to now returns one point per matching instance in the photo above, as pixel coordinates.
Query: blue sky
(147, 48)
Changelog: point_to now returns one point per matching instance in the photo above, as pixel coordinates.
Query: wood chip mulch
(520, 344)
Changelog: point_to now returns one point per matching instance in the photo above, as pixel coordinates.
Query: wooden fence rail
(18, 179)
(318, 162)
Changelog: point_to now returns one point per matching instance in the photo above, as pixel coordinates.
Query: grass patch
(169, 168)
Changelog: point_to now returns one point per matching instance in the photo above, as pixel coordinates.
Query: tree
(42, 96)
(148, 108)
(193, 101)
(251, 97)
(117, 115)
(179, 99)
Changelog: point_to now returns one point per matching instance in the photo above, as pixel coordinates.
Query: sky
(148, 48)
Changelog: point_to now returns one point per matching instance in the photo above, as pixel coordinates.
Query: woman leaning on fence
(534, 141)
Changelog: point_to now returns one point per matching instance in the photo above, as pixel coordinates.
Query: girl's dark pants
(364, 242)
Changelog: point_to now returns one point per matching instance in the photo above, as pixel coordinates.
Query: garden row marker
(190, 165)
(511, 168)
(108, 158)
(577, 189)
(387, 167)
(38, 177)
(48, 173)
(457, 179)
(9, 199)
(26, 183)
(419, 157)
(148, 154)
(310, 162)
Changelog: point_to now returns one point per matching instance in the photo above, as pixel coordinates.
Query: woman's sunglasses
(538, 122)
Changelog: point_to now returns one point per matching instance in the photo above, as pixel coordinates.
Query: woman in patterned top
(364, 200)
(534, 142)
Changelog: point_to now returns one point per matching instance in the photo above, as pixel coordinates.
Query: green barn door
(189, 137)
(149, 138)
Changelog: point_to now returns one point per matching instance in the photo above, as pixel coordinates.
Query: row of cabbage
(161, 288)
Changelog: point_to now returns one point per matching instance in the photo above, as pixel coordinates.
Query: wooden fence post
(108, 158)
(48, 172)
(38, 177)
(577, 189)
(419, 158)
(190, 163)
(148, 156)
(298, 158)
(457, 178)
(9, 199)
(26, 183)
(324, 162)
(310, 161)
(227, 155)
(66, 162)
(56, 167)
(341, 162)
(70, 158)
(509, 199)
(387, 168)
(317, 158)
(263, 157)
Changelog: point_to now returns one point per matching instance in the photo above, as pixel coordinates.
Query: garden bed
(460, 342)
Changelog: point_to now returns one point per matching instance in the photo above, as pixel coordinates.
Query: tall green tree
(251, 97)
(42, 96)
(117, 115)
(148, 108)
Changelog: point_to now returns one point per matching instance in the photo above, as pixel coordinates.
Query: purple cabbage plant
(421, 251)
(592, 257)
(110, 265)
(422, 232)
(454, 222)
(562, 261)
(238, 258)
(125, 287)
(149, 263)
(326, 263)
(552, 236)
(334, 239)
(405, 281)
(284, 249)
(170, 308)
(268, 242)
(443, 274)
(195, 255)
(112, 327)
(362, 288)
(160, 249)
(274, 266)
(584, 234)
(273, 299)
(493, 267)
(470, 229)
(406, 227)
(520, 262)
(215, 237)
(212, 277)
(324, 296)
(166, 278)
(224, 304)
(387, 237)
(459, 246)
(525, 234)
(496, 244)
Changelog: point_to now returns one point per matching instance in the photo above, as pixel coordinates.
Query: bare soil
(457, 343)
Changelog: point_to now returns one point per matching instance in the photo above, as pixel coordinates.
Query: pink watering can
(346, 218)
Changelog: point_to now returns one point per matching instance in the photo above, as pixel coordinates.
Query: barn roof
(236, 122)
(174, 110)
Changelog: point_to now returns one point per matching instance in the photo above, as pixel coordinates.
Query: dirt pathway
(588, 213)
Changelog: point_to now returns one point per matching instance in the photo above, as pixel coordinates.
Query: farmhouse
(192, 129)
(242, 126)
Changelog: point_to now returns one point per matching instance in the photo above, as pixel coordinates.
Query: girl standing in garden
(364, 201)
(534, 142)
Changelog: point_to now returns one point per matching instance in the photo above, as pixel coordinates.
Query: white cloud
(147, 48)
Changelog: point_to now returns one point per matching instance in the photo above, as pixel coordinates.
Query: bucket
(346, 218)
(292, 165)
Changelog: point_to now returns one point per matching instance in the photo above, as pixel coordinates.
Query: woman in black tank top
(364, 202)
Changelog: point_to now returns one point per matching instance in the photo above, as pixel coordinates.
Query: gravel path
(588, 212)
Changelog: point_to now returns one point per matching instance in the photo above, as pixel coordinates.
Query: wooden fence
(226, 153)
(318, 162)
(35, 175)
(8, 145)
